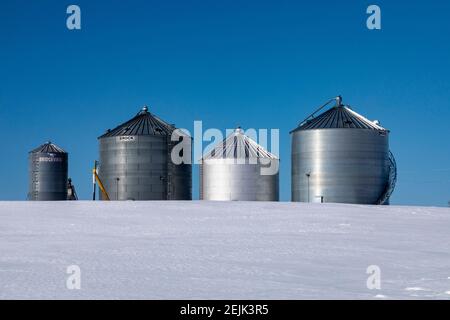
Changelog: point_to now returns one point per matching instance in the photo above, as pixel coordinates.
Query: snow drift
(222, 250)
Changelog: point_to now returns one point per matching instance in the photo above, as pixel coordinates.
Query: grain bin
(135, 161)
(239, 169)
(340, 156)
(48, 170)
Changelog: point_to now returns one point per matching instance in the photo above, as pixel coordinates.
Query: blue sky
(259, 64)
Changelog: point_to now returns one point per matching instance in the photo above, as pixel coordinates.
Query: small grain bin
(238, 169)
(48, 170)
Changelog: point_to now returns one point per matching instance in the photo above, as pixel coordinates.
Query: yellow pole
(100, 184)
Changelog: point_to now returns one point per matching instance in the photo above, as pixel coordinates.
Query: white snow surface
(222, 250)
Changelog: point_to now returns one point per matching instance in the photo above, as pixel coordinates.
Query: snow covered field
(217, 250)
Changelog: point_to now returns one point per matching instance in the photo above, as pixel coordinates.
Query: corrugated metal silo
(238, 169)
(135, 161)
(340, 156)
(48, 170)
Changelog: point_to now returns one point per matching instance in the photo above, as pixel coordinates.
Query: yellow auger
(96, 179)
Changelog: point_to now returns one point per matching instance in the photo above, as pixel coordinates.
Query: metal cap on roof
(143, 124)
(238, 145)
(48, 147)
(339, 116)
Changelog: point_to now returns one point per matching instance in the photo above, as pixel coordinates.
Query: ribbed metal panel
(139, 166)
(48, 171)
(179, 176)
(143, 124)
(338, 164)
(232, 171)
(238, 145)
(345, 165)
(225, 180)
(339, 117)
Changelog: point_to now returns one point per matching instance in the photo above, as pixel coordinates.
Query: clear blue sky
(260, 64)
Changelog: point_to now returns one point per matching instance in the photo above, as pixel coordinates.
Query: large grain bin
(48, 169)
(340, 156)
(135, 161)
(239, 169)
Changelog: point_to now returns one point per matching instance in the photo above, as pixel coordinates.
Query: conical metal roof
(48, 147)
(143, 124)
(238, 146)
(339, 116)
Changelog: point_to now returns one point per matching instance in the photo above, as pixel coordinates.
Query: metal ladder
(391, 182)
